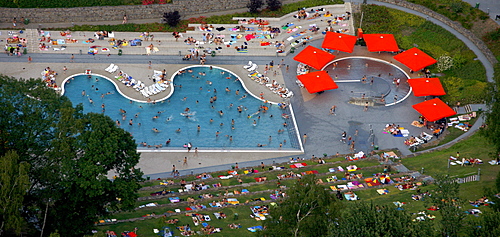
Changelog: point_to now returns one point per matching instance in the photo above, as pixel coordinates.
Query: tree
(492, 130)
(14, 183)
(485, 225)
(446, 199)
(70, 154)
(305, 211)
(273, 5)
(254, 5)
(172, 18)
(366, 219)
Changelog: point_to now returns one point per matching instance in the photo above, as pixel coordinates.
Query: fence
(471, 178)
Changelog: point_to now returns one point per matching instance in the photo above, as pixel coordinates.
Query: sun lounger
(109, 67)
(114, 69)
(253, 67)
(250, 64)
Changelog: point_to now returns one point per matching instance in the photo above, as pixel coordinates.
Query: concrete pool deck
(312, 111)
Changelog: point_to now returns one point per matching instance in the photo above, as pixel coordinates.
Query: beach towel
(372, 182)
(233, 201)
(255, 228)
(298, 165)
(351, 196)
(382, 191)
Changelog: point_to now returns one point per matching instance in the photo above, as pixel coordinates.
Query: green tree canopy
(71, 156)
(14, 184)
(366, 219)
(306, 211)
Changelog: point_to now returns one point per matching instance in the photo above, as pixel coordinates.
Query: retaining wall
(115, 13)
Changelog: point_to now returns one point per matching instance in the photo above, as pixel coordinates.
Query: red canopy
(339, 41)
(381, 42)
(314, 57)
(434, 109)
(317, 81)
(415, 59)
(426, 86)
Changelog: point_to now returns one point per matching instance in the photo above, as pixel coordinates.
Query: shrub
(254, 5)
(172, 18)
(273, 5)
(444, 63)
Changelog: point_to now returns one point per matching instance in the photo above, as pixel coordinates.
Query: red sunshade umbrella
(339, 41)
(426, 86)
(317, 81)
(314, 57)
(434, 109)
(415, 59)
(381, 42)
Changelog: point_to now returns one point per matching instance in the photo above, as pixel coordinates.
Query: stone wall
(115, 13)
(453, 24)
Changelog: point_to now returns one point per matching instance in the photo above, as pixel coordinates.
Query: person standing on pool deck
(304, 138)
(189, 146)
(332, 110)
(344, 136)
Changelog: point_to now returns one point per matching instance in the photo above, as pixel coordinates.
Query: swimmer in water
(178, 130)
(155, 130)
(155, 117)
(221, 113)
(91, 101)
(261, 145)
(211, 120)
(83, 93)
(243, 97)
(136, 115)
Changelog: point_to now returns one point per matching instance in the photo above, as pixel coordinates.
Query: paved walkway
(312, 112)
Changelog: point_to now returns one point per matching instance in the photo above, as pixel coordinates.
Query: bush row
(456, 10)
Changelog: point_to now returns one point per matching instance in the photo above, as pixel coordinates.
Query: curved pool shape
(155, 123)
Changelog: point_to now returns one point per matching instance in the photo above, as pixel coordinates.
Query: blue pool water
(194, 94)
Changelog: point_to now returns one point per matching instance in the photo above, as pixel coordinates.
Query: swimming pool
(188, 116)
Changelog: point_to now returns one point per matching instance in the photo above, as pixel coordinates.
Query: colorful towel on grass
(298, 165)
